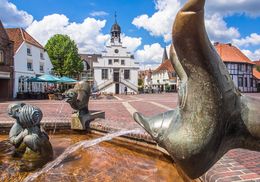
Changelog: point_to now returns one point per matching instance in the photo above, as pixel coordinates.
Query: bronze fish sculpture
(212, 116)
(78, 97)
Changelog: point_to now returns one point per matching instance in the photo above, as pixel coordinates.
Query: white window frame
(41, 64)
(29, 61)
(29, 53)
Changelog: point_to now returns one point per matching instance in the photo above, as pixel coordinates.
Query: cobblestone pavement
(236, 165)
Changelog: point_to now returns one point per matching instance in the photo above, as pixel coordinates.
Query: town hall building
(115, 69)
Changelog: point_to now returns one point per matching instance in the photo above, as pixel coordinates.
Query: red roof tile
(256, 73)
(165, 66)
(144, 73)
(257, 63)
(19, 35)
(230, 53)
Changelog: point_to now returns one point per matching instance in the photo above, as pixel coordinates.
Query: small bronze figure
(212, 116)
(31, 142)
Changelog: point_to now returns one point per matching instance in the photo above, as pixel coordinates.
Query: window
(83, 75)
(110, 61)
(251, 82)
(41, 68)
(2, 56)
(127, 74)
(122, 62)
(116, 51)
(245, 82)
(250, 69)
(42, 56)
(104, 74)
(29, 51)
(241, 67)
(29, 66)
(240, 82)
(116, 60)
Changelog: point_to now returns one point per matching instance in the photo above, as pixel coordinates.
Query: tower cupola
(115, 32)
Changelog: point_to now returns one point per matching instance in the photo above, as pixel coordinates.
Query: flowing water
(58, 111)
(112, 160)
(73, 148)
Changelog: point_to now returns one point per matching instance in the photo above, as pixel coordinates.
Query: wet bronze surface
(108, 161)
(212, 116)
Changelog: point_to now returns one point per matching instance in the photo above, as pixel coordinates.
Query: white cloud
(218, 30)
(150, 54)
(12, 17)
(98, 13)
(160, 23)
(88, 34)
(132, 43)
(253, 55)
(253, 39)
(230, 7)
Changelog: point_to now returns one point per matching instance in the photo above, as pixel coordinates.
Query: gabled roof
(165, 66)
(256, 73)
(144, 73)
(90, 57)
(3, 34)
(230, 53)
(19, 35)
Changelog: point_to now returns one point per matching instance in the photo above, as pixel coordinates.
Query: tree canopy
(258, 68)
(63, 53)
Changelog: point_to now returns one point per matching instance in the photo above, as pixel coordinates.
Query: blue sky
(146, 24)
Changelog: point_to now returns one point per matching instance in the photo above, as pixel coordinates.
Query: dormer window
(2, 57)
(29, 53)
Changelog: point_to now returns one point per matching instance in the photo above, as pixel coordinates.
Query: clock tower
(115, 33)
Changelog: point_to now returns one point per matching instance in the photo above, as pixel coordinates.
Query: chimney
(229, 44)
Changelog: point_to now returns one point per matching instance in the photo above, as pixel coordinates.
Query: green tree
(258, 68)
(140, 82)
(63, 53)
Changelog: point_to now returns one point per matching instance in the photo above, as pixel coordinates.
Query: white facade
(115, 69)
(164, 78)
(119, 69)
(35, 62)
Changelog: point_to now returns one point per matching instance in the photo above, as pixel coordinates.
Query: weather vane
(115, 17)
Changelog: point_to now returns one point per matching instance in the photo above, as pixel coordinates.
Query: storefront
(5, 85)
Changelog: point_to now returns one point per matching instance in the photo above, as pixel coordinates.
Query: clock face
(116, 51)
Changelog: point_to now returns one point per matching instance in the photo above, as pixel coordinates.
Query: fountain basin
(108, 161)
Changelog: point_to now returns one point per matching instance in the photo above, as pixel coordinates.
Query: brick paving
(236, 165)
